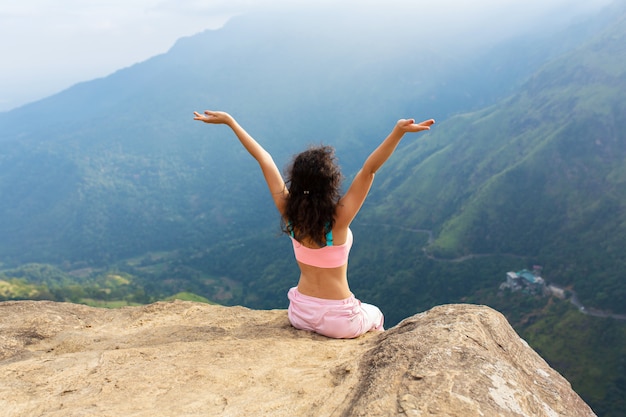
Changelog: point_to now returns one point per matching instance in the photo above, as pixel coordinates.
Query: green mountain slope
(540, 175)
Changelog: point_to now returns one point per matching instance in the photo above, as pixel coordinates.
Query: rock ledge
(191, 359)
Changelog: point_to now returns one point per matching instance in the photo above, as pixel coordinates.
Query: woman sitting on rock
(317, 218)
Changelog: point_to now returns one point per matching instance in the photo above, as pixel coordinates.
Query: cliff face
(190, 359)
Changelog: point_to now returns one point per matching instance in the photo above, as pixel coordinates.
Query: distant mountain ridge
(115, 167)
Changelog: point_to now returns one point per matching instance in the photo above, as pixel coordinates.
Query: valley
(106, 204)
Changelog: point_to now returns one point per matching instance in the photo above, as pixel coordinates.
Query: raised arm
(351, 202)
(271, 172)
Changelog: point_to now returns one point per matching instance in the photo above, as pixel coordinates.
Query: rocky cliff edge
(190, 359)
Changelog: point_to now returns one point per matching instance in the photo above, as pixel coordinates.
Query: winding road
(573, 299)
(451, 260)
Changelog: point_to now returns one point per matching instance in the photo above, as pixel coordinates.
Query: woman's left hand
(214, 117)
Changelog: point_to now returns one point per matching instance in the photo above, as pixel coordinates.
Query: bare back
(327, 283)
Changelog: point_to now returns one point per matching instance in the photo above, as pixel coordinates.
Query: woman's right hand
(214, 117)
(409, 125)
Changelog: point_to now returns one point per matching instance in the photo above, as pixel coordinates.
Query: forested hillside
(539, 175)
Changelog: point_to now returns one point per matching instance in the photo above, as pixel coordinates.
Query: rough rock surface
(191, 359)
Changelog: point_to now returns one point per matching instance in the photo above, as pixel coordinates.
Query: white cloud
(48, 46)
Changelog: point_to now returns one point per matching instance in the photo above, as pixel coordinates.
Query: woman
(318, 221)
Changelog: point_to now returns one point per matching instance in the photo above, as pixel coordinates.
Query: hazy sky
(48, 45)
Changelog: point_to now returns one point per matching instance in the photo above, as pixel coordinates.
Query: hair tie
(306, 192)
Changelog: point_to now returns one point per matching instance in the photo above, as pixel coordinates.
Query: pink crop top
(327, 257)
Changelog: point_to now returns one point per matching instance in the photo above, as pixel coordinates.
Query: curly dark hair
(314, 182)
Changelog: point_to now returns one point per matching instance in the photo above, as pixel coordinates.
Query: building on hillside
(525, 281)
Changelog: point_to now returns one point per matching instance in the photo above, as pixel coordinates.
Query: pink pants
(340, 319)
